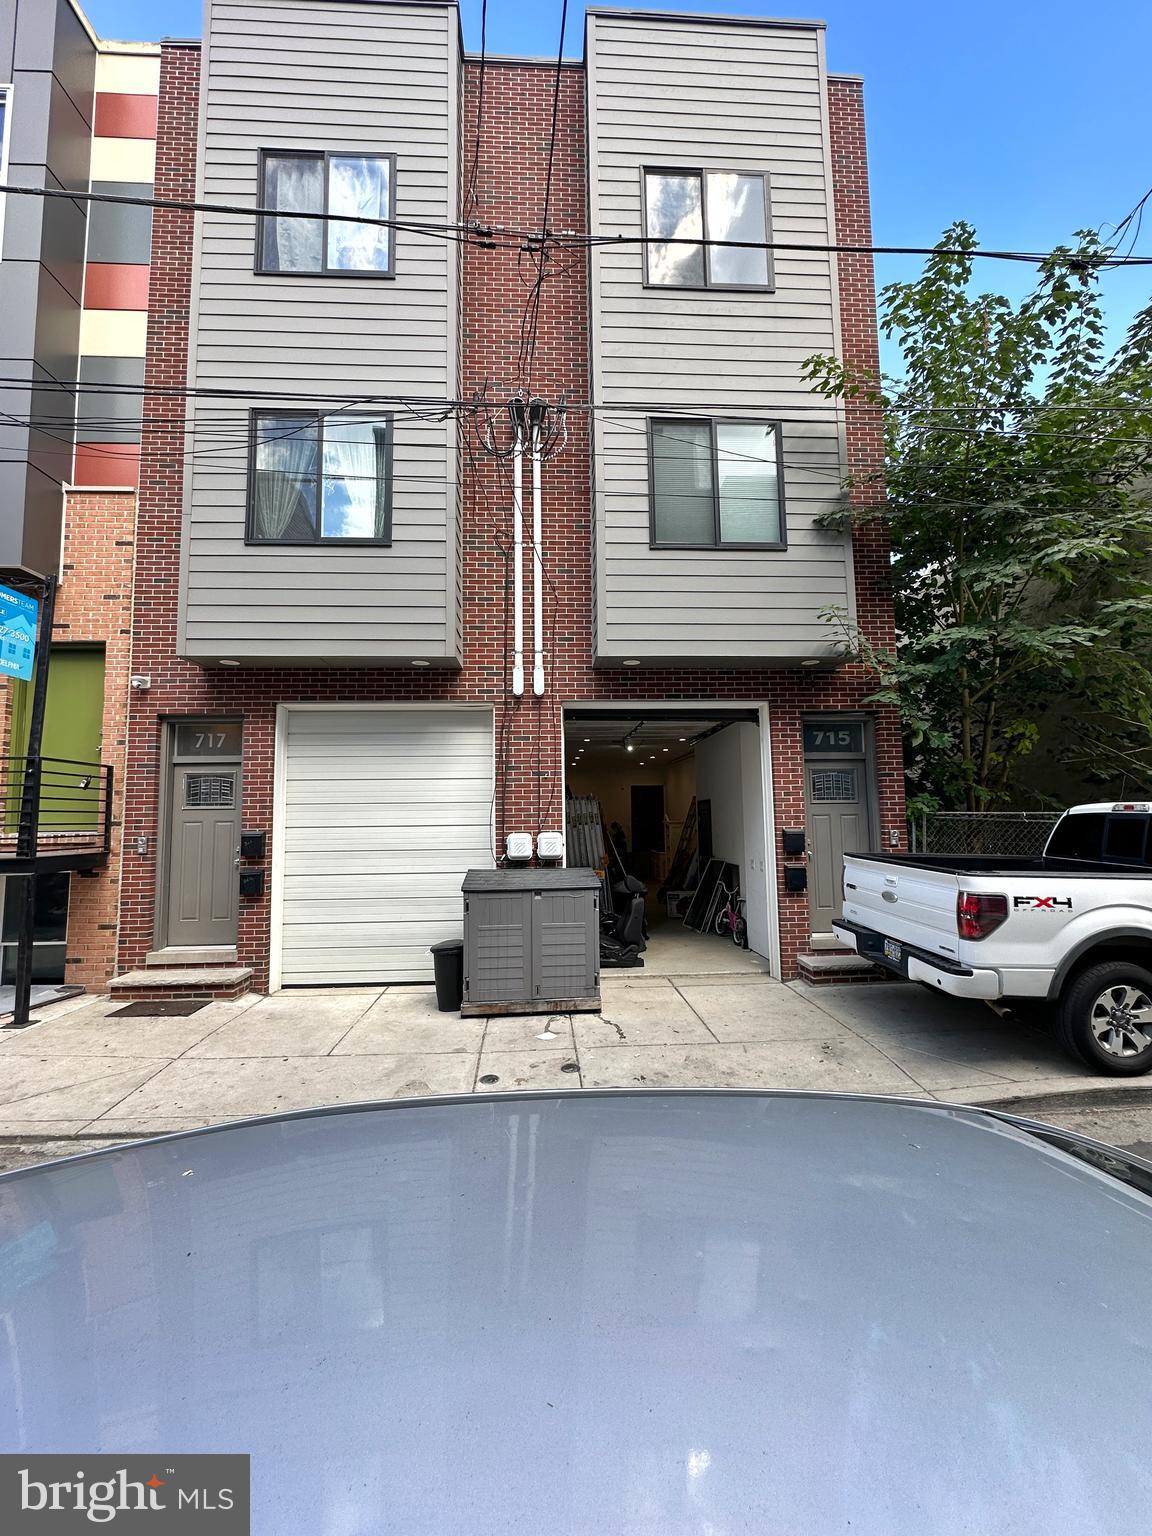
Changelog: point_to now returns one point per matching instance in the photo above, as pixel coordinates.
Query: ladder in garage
(681, 864)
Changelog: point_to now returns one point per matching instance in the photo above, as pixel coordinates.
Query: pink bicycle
(730, 919)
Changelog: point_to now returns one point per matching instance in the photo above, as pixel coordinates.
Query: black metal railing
(54, 806)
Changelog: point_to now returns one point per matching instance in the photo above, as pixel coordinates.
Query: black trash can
(448, 963)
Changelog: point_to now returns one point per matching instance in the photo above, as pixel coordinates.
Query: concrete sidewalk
(81, 1073)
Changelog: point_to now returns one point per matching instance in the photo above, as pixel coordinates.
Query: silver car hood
(630, 1314)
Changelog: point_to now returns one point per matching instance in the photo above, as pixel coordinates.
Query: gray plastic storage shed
(531, 940)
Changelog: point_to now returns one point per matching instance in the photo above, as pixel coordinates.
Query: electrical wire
(435, 229)
(544, 228)
(499, 236)
(470, 195)
(1137, 215)
(443, 407)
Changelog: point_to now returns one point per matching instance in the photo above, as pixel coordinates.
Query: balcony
(55, 813)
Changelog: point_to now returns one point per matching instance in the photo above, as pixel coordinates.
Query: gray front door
(203, 853)
(837, 801)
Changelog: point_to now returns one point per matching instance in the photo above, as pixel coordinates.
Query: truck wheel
(1106, 1018)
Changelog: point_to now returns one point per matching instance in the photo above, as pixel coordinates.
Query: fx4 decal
(1043, 903)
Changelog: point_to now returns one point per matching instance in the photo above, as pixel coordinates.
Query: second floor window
(702, 206)
(715, 484)
(320, 479)
(347, 187)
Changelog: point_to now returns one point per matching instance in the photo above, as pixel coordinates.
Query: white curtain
(293, 182)
(358, 185)
(285, 479)
(355, 480)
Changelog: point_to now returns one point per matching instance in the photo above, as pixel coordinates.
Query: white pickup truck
(1067, 934)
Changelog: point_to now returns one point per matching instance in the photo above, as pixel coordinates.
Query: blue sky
(1026, 117)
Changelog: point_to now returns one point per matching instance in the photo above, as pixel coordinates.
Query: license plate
(892, 950)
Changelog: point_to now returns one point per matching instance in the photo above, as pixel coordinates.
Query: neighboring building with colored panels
(114, 321)
(333, 709)
(78, 115)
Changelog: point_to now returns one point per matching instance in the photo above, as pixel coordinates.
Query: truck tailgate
(916, 906)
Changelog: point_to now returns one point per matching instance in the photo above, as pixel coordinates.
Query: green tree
(1016, 499)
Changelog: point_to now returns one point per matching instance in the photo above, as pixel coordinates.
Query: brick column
(161, 484)
(497, 286)
(94, 603)
(864, 422)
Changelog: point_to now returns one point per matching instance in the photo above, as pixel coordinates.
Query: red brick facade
(509, 190)
(94, 604)
(94, 607)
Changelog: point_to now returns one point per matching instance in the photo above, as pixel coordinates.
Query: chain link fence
(998, 833)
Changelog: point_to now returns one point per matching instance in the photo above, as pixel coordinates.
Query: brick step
(155, 985)
(827, 943)
(177, 957)
(827, 966)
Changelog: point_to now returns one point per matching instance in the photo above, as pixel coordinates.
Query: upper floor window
(716, 484)
(347, 187)
(320, 479)
(703, 206)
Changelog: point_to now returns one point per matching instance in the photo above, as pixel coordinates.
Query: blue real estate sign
(18, 615)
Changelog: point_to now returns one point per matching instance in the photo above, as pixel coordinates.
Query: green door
(73, 729)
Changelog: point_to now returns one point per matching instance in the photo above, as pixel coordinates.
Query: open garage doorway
(674, 796)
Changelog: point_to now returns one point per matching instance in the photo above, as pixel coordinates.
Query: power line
(1136, 214)
(555, 116)
(530, 320)
(470, 195)
(830, 409)
(434, 229)
(511, 237)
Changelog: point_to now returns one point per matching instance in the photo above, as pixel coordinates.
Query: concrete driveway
(82, 1072)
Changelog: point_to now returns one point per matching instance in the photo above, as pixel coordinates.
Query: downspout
(516, 410)
(536, 420)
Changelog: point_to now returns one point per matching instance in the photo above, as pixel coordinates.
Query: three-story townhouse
(359, 679)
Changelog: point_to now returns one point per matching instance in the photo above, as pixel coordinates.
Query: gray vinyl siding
(357, 77)
(697, 93)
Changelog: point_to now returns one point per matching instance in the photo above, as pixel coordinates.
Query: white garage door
(384, 811)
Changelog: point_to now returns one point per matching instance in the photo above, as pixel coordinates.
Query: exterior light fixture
(631, 662)
(421, 663)
(228, 663)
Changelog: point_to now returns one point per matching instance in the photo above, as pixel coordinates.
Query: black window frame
(712, 422)
(319, 541)
(324, 270)
(703, 172)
